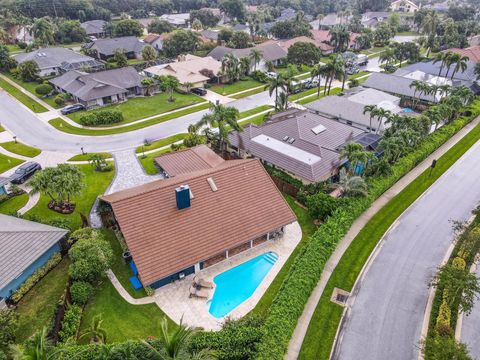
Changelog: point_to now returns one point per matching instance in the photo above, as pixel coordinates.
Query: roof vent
(291, 140)
(318, 129)
(212, 184)
(183, 195)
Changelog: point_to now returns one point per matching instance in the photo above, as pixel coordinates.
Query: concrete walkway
(124, 293)
(304, 320)
(28, 93)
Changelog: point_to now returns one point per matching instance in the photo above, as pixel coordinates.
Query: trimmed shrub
(89, 119)
(102, 117)
(259, 76)
(59, 100)
(80, 291)
(43, 89)
(443, 319)
(70, 323)
(36, 277)
(459, 263)
(321, 206)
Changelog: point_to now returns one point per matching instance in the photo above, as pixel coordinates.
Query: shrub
(80, 292)
(36, 277)
(443, 318)
(70, 323)
(9, 325)
(103, 117)
(259, 76)
(283, 176)
(43, 89)
(459, 263)
(59, 100)
(149, 291)
(321, 206)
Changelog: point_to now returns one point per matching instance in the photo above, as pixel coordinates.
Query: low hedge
(283, 315)
(70, 323)
(36, 277)
(80, 292)
(102, 117)
(283, 176)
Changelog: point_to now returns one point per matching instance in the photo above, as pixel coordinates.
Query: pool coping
(174, 298)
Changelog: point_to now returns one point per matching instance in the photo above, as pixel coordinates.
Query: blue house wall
(7, 290)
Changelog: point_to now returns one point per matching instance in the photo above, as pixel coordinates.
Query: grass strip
(20, 96)
(313, 98)
(12, 205)
(148, 162)
(86, 156)
(160, 143)
(237, 86)
(62, 125)
(20, 149)
(30, 87)
(324, 323)
(249, 93)
(7, 162)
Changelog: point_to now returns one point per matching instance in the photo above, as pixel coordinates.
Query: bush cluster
(80, 291)
(103, 117)
(43, 89)
(321, 206)
(70, 323)
(36, 277)
(259, 76)
(283, 176)
(283, 315)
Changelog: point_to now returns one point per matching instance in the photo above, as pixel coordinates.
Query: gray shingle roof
(107, 47)
(96, 85)
(22, 242)
(270, 52)
(430, 68)
(311, 156)
(210, 34)
(93, 27)
(57, 57)
(394, 84)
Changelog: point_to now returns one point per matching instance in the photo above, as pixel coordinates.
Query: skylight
(318, 129)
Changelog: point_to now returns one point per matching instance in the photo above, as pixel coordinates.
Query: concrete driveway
(388, 304)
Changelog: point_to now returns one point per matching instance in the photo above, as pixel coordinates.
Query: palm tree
(168, 83)
(464, 93)
(441, 57)
(273, 85)
(393, 147)
(381, 114)
(223, 117)
(320, 17)
(174, 343)
(419, 87)
(387, 56)
(37, 348)
(229, 67)
(244, 65)
(351, 152)
(461, 63)
(148, 84)
(453, 58)
(256, 56)
(339, 38)
(372, 110)
(187, 86)
(352, 186)
(318, 70)
(43, 31)
(337, 68)
(95, 332)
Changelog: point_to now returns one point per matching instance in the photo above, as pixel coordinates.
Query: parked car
(199, 91)
(72, 108)
(352, 70)
(24, 172)
(311, 83)
(271, 74)
(390, 68)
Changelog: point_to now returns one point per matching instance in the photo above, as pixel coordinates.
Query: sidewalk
(304, 320)
(28, 93)
(125, 295)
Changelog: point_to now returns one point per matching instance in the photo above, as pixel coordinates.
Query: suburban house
(406, 6)
(399, 86)
(171, 226)
(100, 88)
(178, 20)
(270, 52)
(26, 246)
(19, 33)
(155, 41)
(105, 48)
(472, 52)
(438, 7)
(349, 109)
(210, 35)
(330, 20)
(94, 27)
(189, 69)
(303, 144)
(371, 19)
(56, 60)
(323, 36)
(241, 27)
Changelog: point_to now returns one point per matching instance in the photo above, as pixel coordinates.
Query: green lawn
(20, 149)
(2, 129)
(324, 323)
(62, 125)
(24, 99)
(7, 162)
(37, 307)
(86, 157)
(308, 228)
(160, 143)
(143, 107)
(14, 48)
(122, 321)
(240, 85)
(12, 205)
(30, 87)
(249, 93)
(359, 74)
(258, 120)
(95, 184)
(148, 163)
(309, 99)
(254, 111)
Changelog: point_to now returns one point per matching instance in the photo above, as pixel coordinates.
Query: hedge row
(36, 277)
(103, 117)
(70, 323)
(308, 266)
(134, 349)
(283, 176)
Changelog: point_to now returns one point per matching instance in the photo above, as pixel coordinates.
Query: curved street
(386, 309)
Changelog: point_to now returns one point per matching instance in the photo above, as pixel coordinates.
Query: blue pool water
(236, 285)
(407, 110)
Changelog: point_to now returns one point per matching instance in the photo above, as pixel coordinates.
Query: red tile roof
(189, 160)
(150, 38)
(473, 52)
(164, 240)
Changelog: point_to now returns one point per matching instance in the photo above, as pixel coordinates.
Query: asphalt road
(385, 319)
(471, 328)
(29, 129)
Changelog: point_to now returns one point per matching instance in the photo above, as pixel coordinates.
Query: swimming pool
(236, 285)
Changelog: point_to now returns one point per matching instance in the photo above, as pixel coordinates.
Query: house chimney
(182, 195)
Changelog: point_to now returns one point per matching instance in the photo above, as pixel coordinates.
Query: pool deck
(174, 298)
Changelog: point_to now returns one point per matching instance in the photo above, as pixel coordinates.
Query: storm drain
(340, 296)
